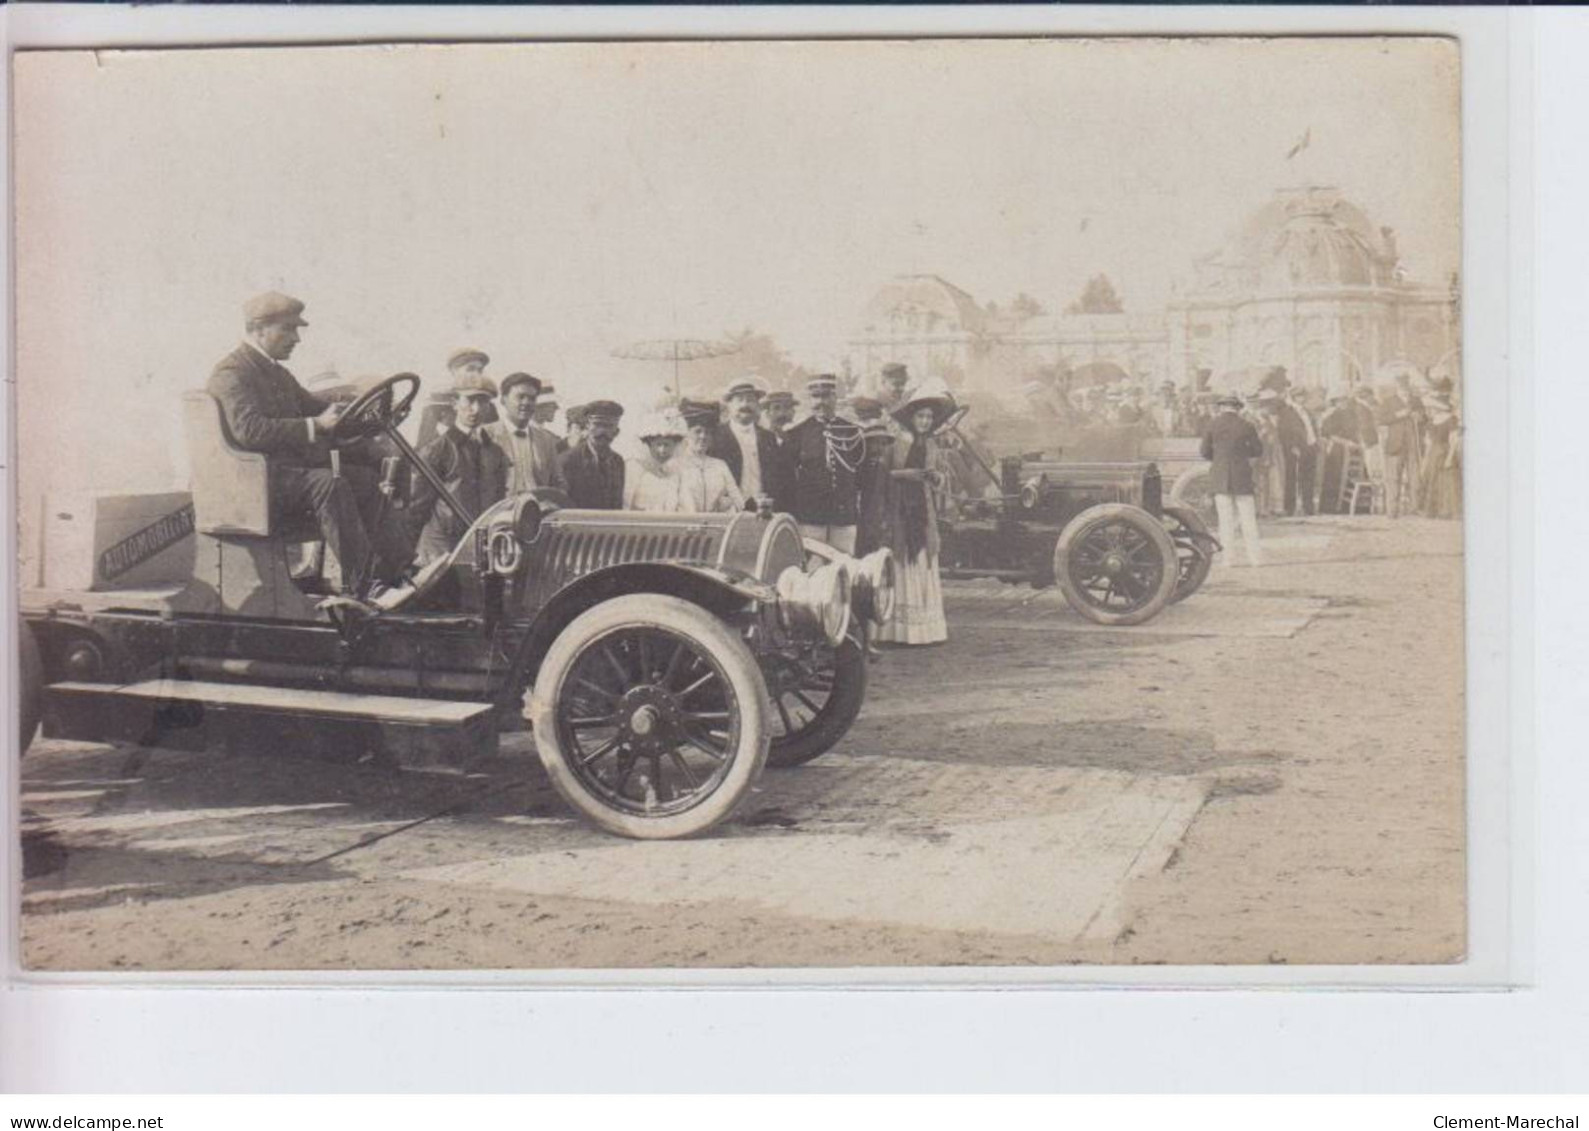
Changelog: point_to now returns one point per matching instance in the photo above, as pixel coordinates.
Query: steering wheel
(378, 408)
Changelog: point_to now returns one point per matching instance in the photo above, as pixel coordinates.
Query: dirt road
(1271, 772)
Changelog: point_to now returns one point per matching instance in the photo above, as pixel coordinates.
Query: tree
(1098, 298)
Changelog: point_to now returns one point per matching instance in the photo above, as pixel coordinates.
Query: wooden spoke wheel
(650, 715)
(816, 696)
(1194, 549)
(1116, 564)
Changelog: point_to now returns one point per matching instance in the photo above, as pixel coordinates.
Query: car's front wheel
(651, 717)
(1116, 565)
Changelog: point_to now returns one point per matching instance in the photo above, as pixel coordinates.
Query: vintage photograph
(741, 504)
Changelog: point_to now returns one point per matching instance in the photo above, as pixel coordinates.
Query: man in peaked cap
(469, 461)
(532, 450)
(593, 472)
(825, 461)
(752, 453)
(266, 410)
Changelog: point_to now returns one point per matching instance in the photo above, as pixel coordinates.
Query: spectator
(1230, 445)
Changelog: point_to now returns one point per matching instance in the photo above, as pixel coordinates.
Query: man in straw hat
(1230, 445)
(533, 450)
(593, 472)
(825, 458)
(752, 453)
(266, 410)
(473, 466)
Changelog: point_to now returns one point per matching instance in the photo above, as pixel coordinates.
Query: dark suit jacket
(1231, 444)
(1293, 429)
(774, 469)
(593, 481)
(824, 494)
(265, 408)
(475, 469)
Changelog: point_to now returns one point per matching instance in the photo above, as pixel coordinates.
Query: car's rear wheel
(651, 717)
(816, 697)
(1194, 547)
(1190, 490)
(30, 692)
(1115, 564)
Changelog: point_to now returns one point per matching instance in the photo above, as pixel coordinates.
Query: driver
(267, 410)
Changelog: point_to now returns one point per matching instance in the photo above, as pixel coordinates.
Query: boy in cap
(472, 465)
(266, 410)
(532, 450)
(577, 428)
(1231, 444)
(752, 453)
(826, 460)
(592, 472)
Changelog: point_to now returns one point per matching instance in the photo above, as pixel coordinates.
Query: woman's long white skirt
(918, 604)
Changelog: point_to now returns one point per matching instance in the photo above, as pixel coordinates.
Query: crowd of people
(1402, 439)
(857, 476)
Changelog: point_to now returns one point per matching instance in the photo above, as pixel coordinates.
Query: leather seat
(231, 486)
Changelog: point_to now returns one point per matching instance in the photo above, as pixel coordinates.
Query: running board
(199, 714)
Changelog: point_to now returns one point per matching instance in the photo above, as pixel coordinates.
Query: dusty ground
(1269, 773)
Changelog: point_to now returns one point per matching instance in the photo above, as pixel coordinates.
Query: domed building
(1309, 283)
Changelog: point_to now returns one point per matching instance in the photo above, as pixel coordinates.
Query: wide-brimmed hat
(933, 394)
(665, 425)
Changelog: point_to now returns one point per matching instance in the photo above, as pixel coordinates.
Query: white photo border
(219, 1028)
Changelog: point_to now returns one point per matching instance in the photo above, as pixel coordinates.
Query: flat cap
(865, 408)
(472, 385)
(779, 396)
(575, 415)
(513, 380)
(465, 356)
(273, 306)
(610, 411)
(749, 383)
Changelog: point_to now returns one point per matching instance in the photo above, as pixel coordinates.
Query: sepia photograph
(817, 505)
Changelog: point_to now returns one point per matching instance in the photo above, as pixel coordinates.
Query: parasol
(675, 350)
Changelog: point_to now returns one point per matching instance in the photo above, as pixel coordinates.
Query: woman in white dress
(652, 482)
(707, 483)
(917, 472)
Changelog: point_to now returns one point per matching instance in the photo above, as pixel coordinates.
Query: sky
(551, 203)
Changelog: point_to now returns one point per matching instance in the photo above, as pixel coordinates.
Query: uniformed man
(473, 466)
(752, 453)
(532, 450)
(593, 472)
(266, 410)
(827, 453)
